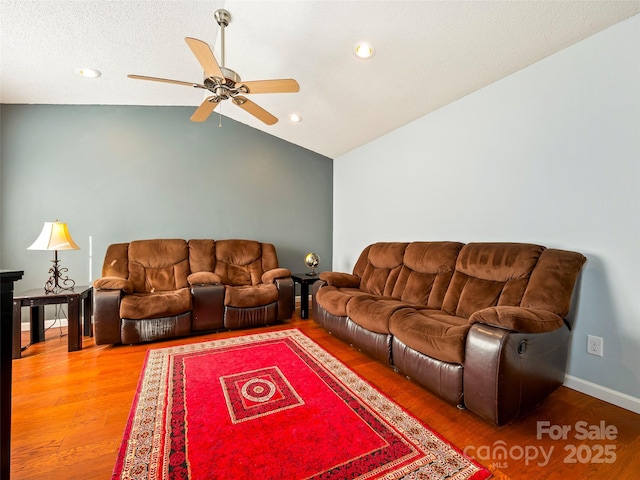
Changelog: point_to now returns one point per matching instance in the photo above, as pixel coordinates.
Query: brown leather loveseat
(156, 289)
(485, 326)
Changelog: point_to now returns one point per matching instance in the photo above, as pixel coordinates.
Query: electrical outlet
(595, 345)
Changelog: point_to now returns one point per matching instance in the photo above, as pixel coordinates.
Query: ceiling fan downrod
(224, 88)
(223, 17)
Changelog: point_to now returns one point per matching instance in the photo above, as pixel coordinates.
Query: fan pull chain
(220, 120)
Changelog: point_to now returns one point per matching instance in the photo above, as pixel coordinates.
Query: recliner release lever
(522, 346)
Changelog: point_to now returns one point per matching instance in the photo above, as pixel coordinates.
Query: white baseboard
(24, 326)
(603, 393)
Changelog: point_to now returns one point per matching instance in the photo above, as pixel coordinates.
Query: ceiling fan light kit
(224, 83)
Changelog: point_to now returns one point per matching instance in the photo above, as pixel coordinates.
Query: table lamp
(55, 236)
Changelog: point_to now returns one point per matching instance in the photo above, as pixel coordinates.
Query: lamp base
(57, 282)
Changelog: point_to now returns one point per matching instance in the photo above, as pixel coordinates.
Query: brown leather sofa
(485, 326)
(156, 289)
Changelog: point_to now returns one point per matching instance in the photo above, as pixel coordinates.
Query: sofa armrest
(270, 276)
(339, 279)
(508, 374)
(113, 283)
(204, 278)
(208, 306)
(106, 316)
(518, 319)
(286, 298)
(315, 308)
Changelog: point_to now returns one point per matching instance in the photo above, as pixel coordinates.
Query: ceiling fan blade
(166, 80)
(283, 85)
(203, 53)
(204, 110)
(255, 110)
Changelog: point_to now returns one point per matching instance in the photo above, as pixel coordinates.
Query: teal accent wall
(121, 173)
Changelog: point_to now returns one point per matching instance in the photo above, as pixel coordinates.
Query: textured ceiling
(428, 54)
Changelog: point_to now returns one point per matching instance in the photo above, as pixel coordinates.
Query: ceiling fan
(224, 83)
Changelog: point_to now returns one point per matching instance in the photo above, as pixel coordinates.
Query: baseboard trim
(603, 393)
(24, 326)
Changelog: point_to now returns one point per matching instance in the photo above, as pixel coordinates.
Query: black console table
(7, 278)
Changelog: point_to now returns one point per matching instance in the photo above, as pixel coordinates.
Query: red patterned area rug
(273, 406)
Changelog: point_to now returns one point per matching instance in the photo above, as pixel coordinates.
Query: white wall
(549, 155)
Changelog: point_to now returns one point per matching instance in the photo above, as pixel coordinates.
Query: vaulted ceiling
(427, 54)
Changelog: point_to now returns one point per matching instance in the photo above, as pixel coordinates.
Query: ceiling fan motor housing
(225, 88)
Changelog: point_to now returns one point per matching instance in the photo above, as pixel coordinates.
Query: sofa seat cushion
(250, 295)
(156, 304)
(334, 300)
(372, 312)
(431, 332)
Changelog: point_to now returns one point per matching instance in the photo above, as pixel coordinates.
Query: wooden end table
(304, 279)
(36, 299)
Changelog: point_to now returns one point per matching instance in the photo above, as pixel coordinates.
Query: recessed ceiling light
(363, 50)
(88, 72)
(294, 117)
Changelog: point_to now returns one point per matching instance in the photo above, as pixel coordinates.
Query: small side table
(36, 299)
(304, 280)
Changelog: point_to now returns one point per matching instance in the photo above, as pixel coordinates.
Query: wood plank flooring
(70, 410)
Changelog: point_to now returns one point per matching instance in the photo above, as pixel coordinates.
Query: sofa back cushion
(383, 265)
(202, 255)
(269, 257)
(490, 274)
(362, 262)
(116, 261)
(158, 265)
(553, 280)
(426, 272)
(239, 262)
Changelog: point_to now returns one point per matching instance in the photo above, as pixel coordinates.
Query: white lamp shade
(54, 236)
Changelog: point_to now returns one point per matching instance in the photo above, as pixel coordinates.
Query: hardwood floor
(70, 410)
